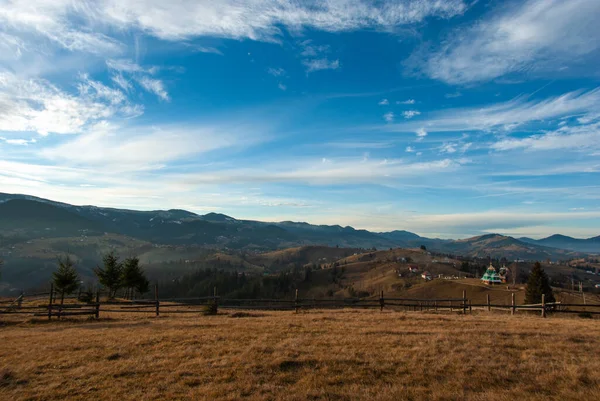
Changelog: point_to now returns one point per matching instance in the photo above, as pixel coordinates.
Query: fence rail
(23, 305)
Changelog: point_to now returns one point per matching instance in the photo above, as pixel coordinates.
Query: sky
(445, 118)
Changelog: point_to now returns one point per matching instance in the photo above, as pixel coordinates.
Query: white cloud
(421, 133)
(122, 82)
(321, 64)
(410, 149)
(155, 86)
(261, 19)
(276, 72)
(448, 148)
(122, 148)
(37, 105)
(389, 117)
(383, 102)
(310, 50)
(452, 95)
(125, 65)
(80, 27)
(408, 114)
(19, 142)
(327, 171)
(583, 137)
(494, 221)
(506, 114)
(408, 101)
(282, 86)
(538, 34)
(208, 49)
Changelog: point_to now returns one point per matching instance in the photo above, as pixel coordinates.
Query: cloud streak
(538, 34)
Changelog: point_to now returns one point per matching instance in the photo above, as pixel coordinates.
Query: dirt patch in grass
(245, 314)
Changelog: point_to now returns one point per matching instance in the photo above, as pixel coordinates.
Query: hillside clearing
(332, 355)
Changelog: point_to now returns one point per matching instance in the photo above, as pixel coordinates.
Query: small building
(426, 276)
(491, 276)
(413, 269)
(503, 274)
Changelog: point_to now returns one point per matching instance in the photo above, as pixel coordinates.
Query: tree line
(113, 275)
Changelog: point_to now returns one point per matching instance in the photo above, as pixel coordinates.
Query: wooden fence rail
(22, 305)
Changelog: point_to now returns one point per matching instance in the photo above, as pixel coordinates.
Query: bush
(210, 309)
(585, 315)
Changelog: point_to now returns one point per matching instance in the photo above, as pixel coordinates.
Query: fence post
(381, 301)
(489, 305)
(20, 299)
(512, 303)
(296, 301)
(543, 305)
(97, 304)
(470, 307)
(50, 301)
(435, 305)
(464, 302)
(216, 300)
(156, 299)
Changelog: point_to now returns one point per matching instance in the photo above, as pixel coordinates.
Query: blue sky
(446, 118)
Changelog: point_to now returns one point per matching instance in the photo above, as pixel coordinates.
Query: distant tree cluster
(115, 275)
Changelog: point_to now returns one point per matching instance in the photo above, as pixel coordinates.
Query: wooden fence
(50, 305)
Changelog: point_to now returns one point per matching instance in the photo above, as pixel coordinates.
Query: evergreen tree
(111, 274)
(537, 285)
(65, 278)
(133, 276)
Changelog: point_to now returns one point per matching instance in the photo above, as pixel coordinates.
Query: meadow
(313, 355)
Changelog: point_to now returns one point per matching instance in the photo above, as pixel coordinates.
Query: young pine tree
(65, 278)
(537, 285)
(134, 277)
(110, 275)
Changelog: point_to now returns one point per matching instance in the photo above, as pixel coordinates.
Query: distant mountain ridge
(31, 217)
(588, 245)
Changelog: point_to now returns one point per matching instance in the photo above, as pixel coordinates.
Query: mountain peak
(217, 217)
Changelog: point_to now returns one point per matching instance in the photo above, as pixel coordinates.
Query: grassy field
(316, 355)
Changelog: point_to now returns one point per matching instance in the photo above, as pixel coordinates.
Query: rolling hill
(589, 245)
(34, 231)
(29, 217)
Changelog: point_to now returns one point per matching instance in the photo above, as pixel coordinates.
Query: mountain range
(24, 217)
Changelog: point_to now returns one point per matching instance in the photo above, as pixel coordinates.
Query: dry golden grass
(317, 355)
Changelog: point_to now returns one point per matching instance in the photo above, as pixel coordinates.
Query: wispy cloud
(276, 72)
(155, 86)
(311, 50)
(328, 171)
(125, 148)
(581, 137)
(408, 114)
(383, 102)
(452, 95)
(538, 34)
(18, 142)
(408, 101)
(39, 106)
(282, 86)
(506, 114)
(208, 49)
(140, 74)
(321, 64)
(389, 117)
